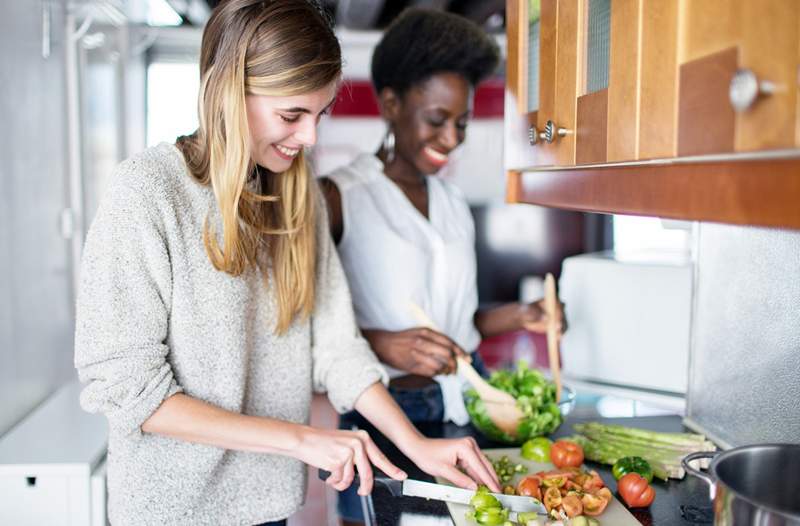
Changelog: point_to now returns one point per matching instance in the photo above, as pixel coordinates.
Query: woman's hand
(443, 457)
(342, 453)
(534, 317)
(419, 351)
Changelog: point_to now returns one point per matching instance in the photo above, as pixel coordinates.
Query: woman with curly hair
(406, 236)
(212, 302)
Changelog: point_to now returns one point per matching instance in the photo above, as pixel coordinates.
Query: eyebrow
(299, 109)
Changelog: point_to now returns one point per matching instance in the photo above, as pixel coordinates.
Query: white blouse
(393, 256)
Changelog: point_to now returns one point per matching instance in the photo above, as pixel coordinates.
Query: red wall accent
(356, 99)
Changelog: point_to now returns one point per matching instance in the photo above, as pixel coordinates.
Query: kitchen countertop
(678, 502)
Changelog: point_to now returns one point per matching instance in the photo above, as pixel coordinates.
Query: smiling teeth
(291, 152)
(436, 155)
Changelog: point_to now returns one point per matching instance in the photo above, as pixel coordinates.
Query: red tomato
(530, 487)
(566, 453)
(635, 491)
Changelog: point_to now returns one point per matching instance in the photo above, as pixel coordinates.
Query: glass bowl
(543, 420)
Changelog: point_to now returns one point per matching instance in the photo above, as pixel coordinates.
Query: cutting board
(615, 513)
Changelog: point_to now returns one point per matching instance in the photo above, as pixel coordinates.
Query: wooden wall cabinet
(675, 108)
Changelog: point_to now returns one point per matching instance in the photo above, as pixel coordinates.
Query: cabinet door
(541, 82)
(760, 41)
(523, 86)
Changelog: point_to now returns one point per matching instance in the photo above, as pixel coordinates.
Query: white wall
(35, 271)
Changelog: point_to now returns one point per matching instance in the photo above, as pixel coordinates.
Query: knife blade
(431, 490)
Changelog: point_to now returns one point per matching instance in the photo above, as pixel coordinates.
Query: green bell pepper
(627, 465)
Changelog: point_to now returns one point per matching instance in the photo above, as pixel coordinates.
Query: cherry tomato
(566, 453)
(635, 491)
(530, 487)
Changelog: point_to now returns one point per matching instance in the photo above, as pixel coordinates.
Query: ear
(389, 103)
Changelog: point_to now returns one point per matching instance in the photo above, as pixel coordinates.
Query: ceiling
(369, 14)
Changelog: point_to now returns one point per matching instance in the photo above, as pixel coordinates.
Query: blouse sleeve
(344, 364)
(122, 312)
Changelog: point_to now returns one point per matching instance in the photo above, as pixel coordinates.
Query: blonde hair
(260, 47)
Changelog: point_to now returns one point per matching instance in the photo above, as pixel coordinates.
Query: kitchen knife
(430, 490)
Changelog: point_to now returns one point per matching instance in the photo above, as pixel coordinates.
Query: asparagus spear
(688, 440)
(664, 451)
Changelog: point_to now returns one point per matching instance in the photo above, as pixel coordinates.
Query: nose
(306, 132)
(450, 137)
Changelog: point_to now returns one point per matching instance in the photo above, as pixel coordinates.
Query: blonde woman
(212, 301)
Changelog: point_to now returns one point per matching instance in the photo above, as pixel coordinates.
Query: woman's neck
(401, 172)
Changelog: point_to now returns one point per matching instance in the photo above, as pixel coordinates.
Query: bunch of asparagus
(664, 451)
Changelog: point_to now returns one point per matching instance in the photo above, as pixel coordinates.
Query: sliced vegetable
(506, 470)
(537, 449)
(635, 491)
(530, 487)
(566, 453)
(593, 505)
(552, 499)
(491, 516)
(627, 465)
(572, 505)
(483, 499)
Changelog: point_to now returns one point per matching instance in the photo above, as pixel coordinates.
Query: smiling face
(280, 127)
(429, 121)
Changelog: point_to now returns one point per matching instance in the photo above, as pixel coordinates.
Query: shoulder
(360, 171)
(155, 173)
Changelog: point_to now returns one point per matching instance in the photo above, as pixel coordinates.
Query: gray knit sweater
(155, 318)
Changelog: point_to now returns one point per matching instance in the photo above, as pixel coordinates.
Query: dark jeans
(273, 523)
(420, 405)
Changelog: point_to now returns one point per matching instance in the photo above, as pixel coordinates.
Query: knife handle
(395, 487)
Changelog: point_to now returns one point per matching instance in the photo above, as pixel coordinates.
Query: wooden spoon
(500, 406)
(550, 305)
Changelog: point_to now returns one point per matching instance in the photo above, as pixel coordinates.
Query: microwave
(628, 321)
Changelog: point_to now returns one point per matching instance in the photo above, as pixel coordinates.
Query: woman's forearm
(378, 406)
(185, 418)
(498, 320)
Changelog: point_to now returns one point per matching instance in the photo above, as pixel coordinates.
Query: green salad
(535, 395)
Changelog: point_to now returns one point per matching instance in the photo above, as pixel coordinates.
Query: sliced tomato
(530, 487)
(593, 482)
(572, 505)
(593, 505)
(552, 499)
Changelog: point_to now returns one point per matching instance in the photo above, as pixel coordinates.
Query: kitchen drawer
(34, 501)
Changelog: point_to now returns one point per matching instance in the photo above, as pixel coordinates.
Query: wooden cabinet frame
(739, 188)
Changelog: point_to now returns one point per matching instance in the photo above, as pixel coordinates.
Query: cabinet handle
(534, 135)
(745, 88)
(552, 132)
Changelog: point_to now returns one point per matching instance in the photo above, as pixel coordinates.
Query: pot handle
(708, 479)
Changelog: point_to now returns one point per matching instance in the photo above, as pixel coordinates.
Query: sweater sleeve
(122, 312)
(344, 364)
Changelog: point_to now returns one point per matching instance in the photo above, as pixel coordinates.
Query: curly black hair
(422, 42)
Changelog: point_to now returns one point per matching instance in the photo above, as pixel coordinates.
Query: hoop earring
(388, 145)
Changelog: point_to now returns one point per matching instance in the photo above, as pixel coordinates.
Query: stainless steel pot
(755, 485)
